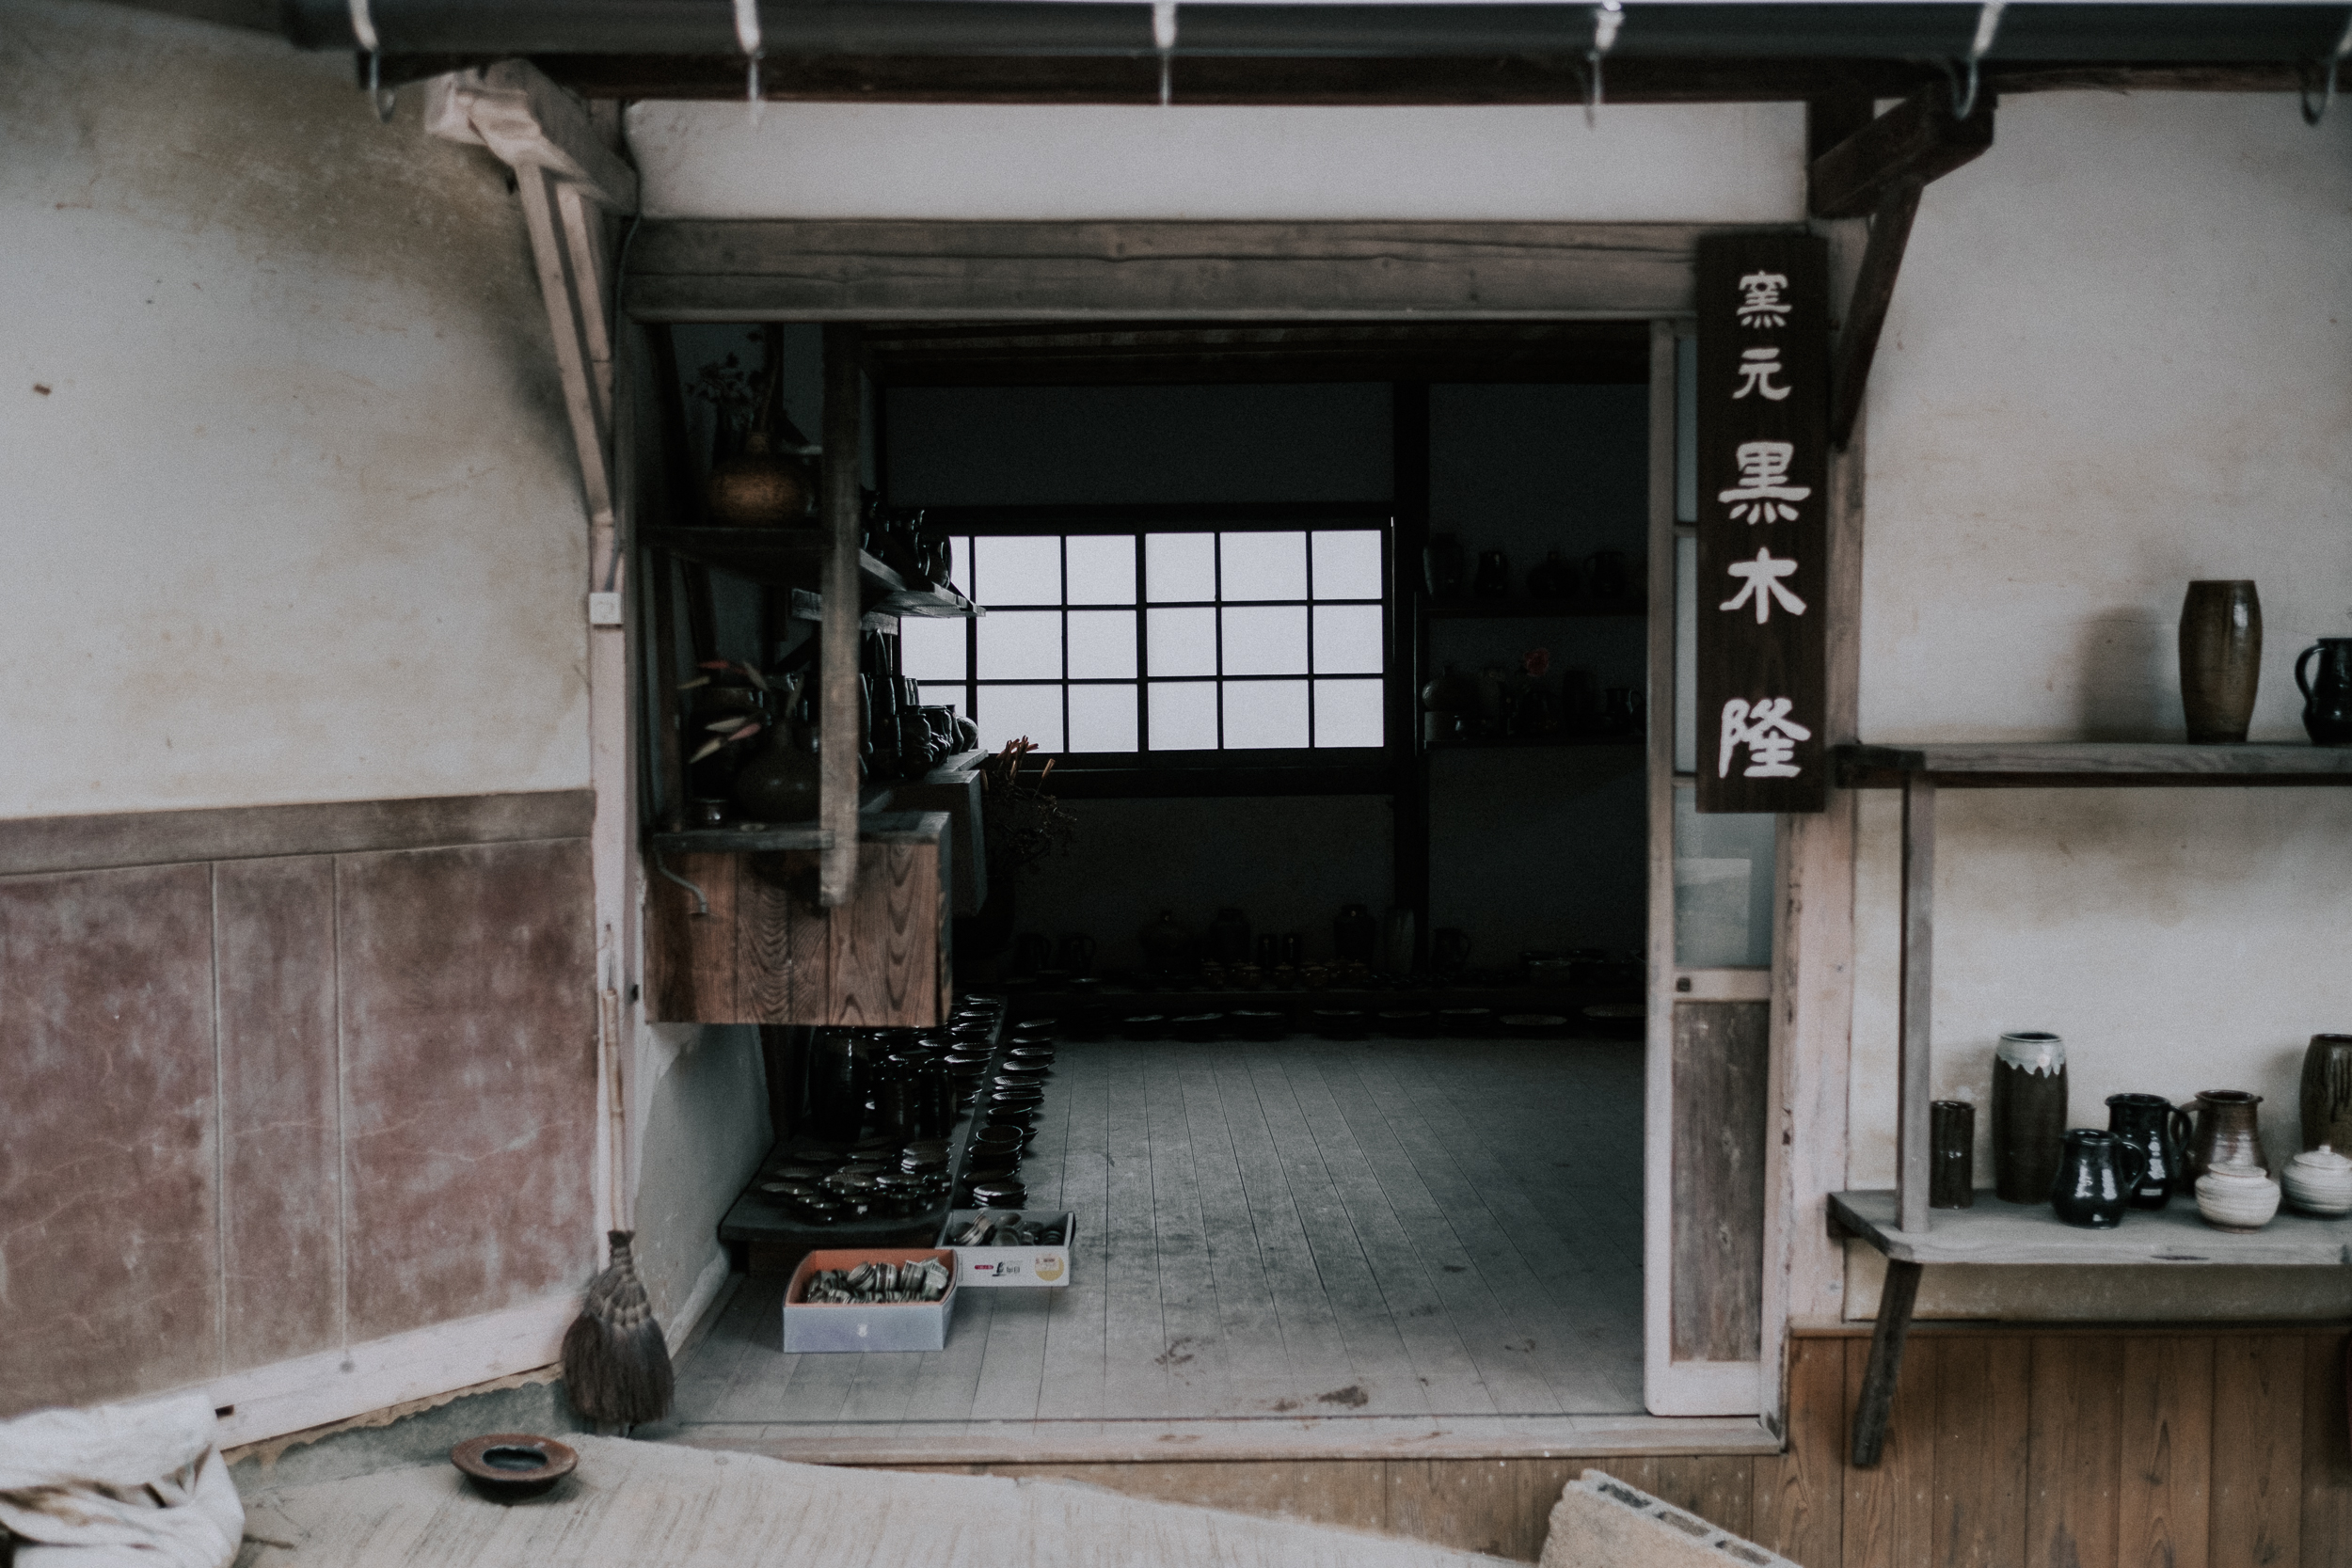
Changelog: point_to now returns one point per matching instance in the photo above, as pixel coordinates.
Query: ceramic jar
(2327, 1092)
(1494, 575)
(2236, 1198)
(2096, 1173)
(1951, 1154)
(1355, 934)
(1166, 945)
(760, 487)
(2221, 656)
(2028, 1115)
(2319, 1182)
(2227, 1131)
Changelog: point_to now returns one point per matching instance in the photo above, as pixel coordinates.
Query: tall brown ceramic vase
(2327, 1095)
(2221, 656)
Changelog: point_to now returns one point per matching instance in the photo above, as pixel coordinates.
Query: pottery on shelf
(780, 783)
(760, 487)
(1494, 575)
(1229, 937)
(2327, 694)
(1552, 577)
(1441, 566)
(2096, 1174)
(2160, 1130)
(2319, 1181)
(1355, 934)
(2227, 1131)
(1951, 1154)
(2327, 1092)
(2028, 1115)
(1608, 577)
(2237, 1197)
(2221, 656)
(1166, 945)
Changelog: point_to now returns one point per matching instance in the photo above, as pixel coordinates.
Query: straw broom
(616, 1361)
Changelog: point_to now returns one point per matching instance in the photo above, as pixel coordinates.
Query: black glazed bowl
(1144, 1026)
(1408, 1023)
(1342, 1023)
(1255, 1023)
(1197, 1028)
(508, 1467)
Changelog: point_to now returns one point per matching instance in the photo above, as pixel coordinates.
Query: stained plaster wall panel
(2120, 357)
(469, 1079)
(281, 1166)
(1729, 163)
(109, 1280)
(705, 1129)
(286, 452)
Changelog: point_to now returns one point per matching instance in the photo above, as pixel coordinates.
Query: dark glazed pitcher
(2160, 1130)
(2327, 692)
(2226, 1133)
(2097, 1172)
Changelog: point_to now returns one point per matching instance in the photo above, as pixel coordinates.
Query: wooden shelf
(1533, 609)
(792, 556)
(2093, 763)
(2013, 1233)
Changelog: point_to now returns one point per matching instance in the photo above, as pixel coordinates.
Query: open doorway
(1341, 661)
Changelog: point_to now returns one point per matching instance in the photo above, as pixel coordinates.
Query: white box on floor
(985, 1266)
(810, 1326)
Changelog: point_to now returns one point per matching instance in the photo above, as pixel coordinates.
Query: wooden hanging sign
(1763, 531)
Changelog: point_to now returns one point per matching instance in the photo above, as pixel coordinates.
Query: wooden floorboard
(1289, 1232)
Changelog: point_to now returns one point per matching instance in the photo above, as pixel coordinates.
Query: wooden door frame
(880, 272)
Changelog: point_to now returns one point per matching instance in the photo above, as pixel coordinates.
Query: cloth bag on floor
(119, 1487)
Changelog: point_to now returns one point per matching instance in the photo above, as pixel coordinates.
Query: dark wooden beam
(1833, 118)
(1918, 138)
(1873, 290)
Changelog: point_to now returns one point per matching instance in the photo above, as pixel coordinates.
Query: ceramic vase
(1494, 575)
(1951, 1154)
(2319, 1182)
(780, 783)
(1166, 945)
(2328, 694)
(1441, 566)
(2327, 1092)
(1355, 934)
(2236, 1198)
(2221, 656)
(2028, 1115)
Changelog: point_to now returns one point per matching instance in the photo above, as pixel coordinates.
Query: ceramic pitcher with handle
(2327, 692)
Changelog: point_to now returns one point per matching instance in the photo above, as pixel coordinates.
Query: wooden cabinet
(748, 942)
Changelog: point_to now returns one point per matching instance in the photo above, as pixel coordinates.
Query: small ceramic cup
(2237, 1197)
(2319, 1182)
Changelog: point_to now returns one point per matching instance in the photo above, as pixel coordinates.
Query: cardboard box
(894, 1325)
(989, 1266)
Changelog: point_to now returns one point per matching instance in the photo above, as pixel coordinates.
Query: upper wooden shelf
(1993, 1231)
(1534, 610)
(792, 556)
(2104, 764)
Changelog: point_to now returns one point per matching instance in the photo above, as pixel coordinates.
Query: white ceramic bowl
(2319, 1182)
(2237, 1197)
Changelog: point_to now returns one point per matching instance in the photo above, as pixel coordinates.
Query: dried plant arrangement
(1024, 821)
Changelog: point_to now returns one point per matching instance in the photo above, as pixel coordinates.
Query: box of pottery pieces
(870, 1298)
(1000, 1247)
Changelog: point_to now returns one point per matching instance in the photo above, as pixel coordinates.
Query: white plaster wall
(2120, 357)
(707, 1130)
(1732, 163)
(296, 516)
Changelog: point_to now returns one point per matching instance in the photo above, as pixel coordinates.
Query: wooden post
(1914, 1081)
(837, 695)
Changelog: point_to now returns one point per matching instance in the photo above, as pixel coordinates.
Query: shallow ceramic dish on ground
(1534, 1025)
(1197, 1028)
(508, 1467)
(1617, 1019)
(1257, 1023)
(1145, 1026)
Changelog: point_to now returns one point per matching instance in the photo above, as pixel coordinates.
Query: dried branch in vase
(1024, 822)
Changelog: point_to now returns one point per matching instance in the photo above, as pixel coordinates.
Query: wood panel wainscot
(748, 942)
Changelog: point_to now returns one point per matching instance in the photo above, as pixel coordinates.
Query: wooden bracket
(1879, 171)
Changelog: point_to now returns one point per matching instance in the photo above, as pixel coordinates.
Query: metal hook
(363, 32)
(1606, 18)
(1164, 40)
(1988, 25)
(2312, 117)
(748, 38)
(702, 905)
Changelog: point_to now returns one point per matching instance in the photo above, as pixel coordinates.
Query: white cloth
(119, 1487)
